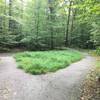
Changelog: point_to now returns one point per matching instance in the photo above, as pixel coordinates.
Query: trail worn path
(64, 84)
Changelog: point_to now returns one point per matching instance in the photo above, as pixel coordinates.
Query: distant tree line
(49, 24)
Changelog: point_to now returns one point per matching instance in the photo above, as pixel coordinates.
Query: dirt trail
(64, 84)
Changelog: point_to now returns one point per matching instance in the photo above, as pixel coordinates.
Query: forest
(49, 24)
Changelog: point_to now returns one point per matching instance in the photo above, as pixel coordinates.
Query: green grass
(46, 61)
(98, 62)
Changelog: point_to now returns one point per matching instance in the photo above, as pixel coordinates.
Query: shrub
(98, 51)
(46, 61)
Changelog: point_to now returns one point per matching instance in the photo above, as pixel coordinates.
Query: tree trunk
(68, 24)
(10, 14)
(51, 19)
(72, 23)
(4, 20)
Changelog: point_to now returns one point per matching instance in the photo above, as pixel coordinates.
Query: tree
(68, 23)
(49, 24)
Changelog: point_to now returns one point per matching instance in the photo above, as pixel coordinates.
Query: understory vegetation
(46, 61)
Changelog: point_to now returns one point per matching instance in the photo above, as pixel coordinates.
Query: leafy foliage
(48, 24)
(98, 51)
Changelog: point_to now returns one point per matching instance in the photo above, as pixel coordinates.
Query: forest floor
(91, 86)
(64, 84)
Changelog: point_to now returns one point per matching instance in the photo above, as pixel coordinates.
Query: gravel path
(65, 84)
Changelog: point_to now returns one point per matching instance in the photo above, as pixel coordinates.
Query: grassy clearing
(46, 61)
